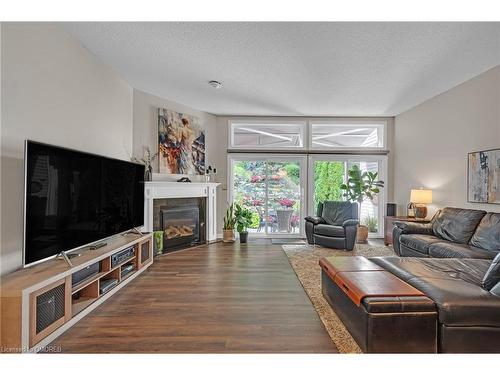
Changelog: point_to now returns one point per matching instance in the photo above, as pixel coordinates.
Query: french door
(273, 188)
(328, 172)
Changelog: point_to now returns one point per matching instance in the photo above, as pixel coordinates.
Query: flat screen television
(74, 198)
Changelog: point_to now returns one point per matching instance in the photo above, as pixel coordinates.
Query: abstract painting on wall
(181, 146)
(484, 177)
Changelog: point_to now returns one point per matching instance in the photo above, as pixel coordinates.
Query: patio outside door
(273, 188)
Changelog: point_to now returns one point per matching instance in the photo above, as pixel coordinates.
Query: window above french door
(308, 135)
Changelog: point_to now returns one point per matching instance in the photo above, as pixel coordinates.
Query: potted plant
(229, 222)
(361, 185)
(371, 222)
(243, 219)
(286, 203)
(285, 214)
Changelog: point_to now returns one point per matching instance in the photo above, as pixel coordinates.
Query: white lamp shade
(421, 196)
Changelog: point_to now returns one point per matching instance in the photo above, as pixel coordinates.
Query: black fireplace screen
(181, 227)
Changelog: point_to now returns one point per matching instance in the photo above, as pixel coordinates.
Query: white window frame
(273, 157)
(346, 122)
(303, 133)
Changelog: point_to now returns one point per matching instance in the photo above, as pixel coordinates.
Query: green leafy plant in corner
(361, 185)
(229, 219)
(243, 218)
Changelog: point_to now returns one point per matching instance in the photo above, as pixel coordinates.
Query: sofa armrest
(350, 223)
(414, 228)
(315, 220)
(398, 304)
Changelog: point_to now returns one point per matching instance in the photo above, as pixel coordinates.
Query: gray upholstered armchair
(335, 225)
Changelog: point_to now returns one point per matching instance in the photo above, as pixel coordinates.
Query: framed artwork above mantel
(181, 143)
(483, 176)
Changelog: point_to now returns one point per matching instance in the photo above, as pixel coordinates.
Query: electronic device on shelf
(85, 273)
(122, 256)
(82, 183)
(106, 285)
(126, 269)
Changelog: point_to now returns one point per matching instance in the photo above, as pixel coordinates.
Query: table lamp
(419, 198)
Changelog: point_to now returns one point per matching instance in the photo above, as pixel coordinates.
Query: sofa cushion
(329, 230)
(418, 242)
(458, 250)
(456, 224)
(453, 284)
(487, 234)
(335, 213)
(492, 276)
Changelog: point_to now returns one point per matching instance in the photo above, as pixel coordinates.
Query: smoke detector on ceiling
(215, 84)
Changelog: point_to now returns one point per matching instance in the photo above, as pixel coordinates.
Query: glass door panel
(250, 191)
(328, 176)
(271, 187)
(283, 197)
(370, 208)
(328, 172)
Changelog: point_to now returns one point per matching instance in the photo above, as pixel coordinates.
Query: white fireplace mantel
(166, 189)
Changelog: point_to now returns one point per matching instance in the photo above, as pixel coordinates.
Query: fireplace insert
(181, 227)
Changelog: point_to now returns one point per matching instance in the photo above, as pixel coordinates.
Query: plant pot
(243, 237)
(227, 235)
(362, 234)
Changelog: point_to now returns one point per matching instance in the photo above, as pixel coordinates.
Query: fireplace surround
(172, 208)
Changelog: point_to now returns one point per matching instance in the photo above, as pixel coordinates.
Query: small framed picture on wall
(483, 177)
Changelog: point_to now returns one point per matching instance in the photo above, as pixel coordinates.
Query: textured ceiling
(296, 69)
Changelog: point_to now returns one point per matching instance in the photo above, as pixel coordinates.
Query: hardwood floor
(218, 298)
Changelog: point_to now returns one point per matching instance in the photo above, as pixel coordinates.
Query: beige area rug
(304, 260)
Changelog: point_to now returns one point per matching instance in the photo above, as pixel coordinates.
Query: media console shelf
(39, 303)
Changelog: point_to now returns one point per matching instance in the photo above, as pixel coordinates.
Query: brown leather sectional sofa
(455, 262)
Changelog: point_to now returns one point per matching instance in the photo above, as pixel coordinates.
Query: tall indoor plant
(229, 222)
(361, 185)
(243, 219)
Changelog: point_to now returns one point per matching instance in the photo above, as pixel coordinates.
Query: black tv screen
(74, 198)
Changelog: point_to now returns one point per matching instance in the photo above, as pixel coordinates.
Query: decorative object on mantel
(229, 222)
(360, 186)
(483, 178)
(147, 160)
(209, 172)
(184, 179)
(181, 143)
(243, 218)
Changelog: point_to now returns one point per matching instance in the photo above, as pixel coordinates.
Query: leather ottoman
(383, 313)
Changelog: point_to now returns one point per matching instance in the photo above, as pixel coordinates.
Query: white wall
(54, 91)
(145, 134)
(432, 141)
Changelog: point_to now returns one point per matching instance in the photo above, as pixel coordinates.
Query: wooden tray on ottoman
(359, 278)
(383, 313)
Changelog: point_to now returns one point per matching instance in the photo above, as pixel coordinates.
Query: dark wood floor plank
(219, 298)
